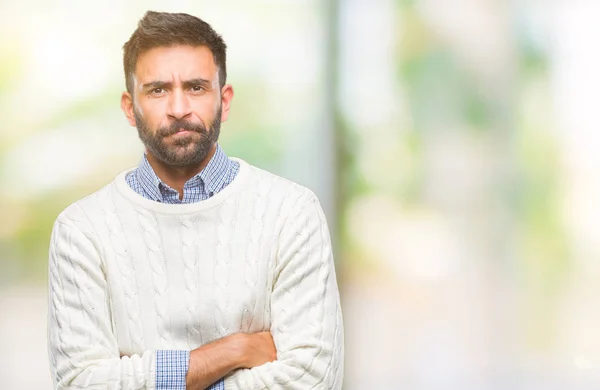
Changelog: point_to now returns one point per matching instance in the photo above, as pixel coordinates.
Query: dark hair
(163, 29)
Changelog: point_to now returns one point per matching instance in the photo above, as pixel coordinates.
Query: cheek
(206, 109)
(152, 112)
(142, 106)
(138, 110)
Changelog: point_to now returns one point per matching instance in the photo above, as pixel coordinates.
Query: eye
(157, 91)
(197, 88)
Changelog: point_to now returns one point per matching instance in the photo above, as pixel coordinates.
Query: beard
(190, 149)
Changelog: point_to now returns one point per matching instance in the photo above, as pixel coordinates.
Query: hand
(214, 360)
(258, 349)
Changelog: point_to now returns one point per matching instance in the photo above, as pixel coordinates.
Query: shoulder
(286, 196)
(266, 181)
(279, 189)
(82, 211)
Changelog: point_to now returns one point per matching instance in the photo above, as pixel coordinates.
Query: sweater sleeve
(82, 348)
(306, 319)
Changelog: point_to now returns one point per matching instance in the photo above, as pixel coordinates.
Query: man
(194, 269)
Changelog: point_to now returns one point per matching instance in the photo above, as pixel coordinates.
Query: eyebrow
(169, 84)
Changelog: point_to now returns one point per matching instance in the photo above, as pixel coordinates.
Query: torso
(177, 280)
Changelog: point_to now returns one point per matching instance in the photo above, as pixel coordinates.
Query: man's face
(177, 105)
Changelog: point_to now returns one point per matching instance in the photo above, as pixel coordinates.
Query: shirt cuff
(171, 369)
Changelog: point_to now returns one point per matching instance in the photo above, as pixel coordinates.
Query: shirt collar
(148, 180)
(212, 177)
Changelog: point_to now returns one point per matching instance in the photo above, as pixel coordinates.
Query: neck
(176, 177)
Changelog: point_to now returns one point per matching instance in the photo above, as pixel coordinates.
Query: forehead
(166, 63)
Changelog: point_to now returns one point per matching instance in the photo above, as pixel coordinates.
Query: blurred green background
(453, 144)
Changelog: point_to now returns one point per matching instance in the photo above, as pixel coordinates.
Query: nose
(179, 105)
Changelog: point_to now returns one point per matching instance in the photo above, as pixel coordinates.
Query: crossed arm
(215, 360)
(304, 348)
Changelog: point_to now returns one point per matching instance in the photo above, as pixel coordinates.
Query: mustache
(176, 126)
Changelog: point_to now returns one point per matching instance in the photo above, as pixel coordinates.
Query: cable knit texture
(130, 276)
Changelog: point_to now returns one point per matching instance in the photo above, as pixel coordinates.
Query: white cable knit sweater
(129, 276)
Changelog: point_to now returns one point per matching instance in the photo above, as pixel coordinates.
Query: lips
(181, 128)
(182, 132)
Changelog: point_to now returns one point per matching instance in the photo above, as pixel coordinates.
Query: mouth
(183, 132)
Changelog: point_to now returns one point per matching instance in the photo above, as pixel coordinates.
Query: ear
(127, 107)
(226, 98)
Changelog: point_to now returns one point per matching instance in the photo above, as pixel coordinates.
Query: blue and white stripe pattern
(218, 174)
(171, 369)
(172, 365)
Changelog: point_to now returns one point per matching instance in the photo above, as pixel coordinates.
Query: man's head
(176, 95)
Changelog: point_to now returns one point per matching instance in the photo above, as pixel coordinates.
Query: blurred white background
(453, 145)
